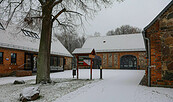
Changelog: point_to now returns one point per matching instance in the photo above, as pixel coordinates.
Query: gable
(163, 14)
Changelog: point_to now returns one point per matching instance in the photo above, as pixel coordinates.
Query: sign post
(84, 59)
(77, 68)
(91, 70)
(100, 72)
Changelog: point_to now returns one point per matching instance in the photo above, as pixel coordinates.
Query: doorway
(128, 62)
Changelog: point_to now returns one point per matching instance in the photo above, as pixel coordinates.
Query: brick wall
(7, 68)
(68, 63)
(112, 60)
(161, 37)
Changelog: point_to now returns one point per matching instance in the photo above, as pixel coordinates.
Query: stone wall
(112, 60)
(161, 37)
(115, 61)
(104, 60)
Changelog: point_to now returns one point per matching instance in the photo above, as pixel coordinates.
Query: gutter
(149, 58)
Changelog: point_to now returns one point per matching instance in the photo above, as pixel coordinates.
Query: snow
(82, 51)
(13, 37)
(29, 92)
(116, 43)
(116, 86)
(119, 86)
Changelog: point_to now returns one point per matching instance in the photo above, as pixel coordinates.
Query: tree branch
(58, 14)
(1, 1)
(56, 2)
(14, 12)
(74, 12)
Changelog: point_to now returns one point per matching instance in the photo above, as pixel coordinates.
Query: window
(1, 27)
(30, 34)
(54, 61)
(1, 57)
(13, 58)
(128, 62)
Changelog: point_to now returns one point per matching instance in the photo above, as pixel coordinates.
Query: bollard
(74, 72)
(100, 72)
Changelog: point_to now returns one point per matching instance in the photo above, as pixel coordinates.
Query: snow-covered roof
(82, 51)
(116, 43)
(13, 37)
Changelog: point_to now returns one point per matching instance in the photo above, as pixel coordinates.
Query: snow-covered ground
(116, 86)
(119, 86)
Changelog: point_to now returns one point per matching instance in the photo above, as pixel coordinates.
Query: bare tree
(68, 14)
(97, 34)
(111, 32)
(71, 41)
(124, 29)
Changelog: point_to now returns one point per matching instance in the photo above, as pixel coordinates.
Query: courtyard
(116, 86)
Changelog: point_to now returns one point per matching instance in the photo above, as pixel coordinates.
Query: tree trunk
(43, 66)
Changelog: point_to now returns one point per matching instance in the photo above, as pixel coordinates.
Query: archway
(128, 62)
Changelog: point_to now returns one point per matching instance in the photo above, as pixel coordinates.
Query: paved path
(117, 86)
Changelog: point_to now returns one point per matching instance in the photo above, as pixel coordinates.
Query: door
(128, 62)
(28, 61)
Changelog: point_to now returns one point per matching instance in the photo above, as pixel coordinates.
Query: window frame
(2, 58)
(14, 59)
(54, 61)
(2, 27)
(30, 34)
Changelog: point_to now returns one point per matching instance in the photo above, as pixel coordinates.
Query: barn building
(160, 34)
(119, 51)
(19, 49)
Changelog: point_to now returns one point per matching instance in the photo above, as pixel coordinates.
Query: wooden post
(91, 70)
(100, 72)
(77, 67)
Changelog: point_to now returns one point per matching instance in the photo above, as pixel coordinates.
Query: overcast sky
(137, 13)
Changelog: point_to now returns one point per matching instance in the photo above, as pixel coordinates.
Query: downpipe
(149, 63)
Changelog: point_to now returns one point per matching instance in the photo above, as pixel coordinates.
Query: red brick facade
(160, 34)
(6, 68)
(112, 60)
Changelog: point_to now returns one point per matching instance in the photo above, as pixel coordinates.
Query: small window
(54, 61)
(1, 57)
(13, 58)
(30, 34)
(1, 27)
(51, 61)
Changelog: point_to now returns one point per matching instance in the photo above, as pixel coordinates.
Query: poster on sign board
(87, 62)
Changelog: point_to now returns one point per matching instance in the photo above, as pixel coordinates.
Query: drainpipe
(149, 57)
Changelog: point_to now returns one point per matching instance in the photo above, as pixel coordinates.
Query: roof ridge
(114, 35)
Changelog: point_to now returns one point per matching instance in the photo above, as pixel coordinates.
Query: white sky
(137, 13)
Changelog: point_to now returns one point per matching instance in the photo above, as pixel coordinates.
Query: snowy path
(118, 86)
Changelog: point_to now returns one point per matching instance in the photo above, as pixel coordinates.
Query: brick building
(160, 34)
(119, 51)
(19, 50)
